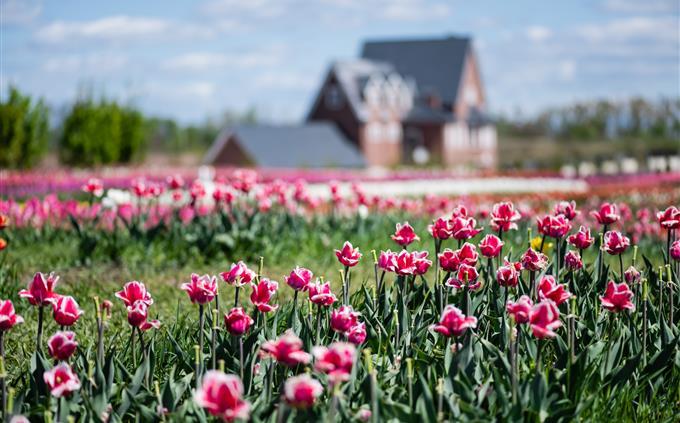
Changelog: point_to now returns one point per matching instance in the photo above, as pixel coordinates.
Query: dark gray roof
(316, 144)
(435, 64)
(422, 113)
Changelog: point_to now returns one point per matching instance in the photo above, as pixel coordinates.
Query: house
(411, 101)
(418, 101)
(315, 144)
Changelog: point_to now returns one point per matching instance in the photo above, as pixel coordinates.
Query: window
(334, 98)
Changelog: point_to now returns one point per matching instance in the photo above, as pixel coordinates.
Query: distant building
(403, 102)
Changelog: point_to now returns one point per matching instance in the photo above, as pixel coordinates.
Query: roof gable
(436, 64)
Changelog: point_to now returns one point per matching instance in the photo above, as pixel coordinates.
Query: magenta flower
(567, 209)
(287, 350)
(40, 291)
(222, 395)
(521, 309)
(302, 391)
(61, 380)
(348, 256)
(237, 321)
(262, 294)
(321, 294)
(343, 318)
(8, 317)
(508, 274)
(201, 289)
(581, 239)
(490, 246)
(299, 278)
(504, 217)
(465, 276)
(453, 322)
(335, 361)
(464, 227)
(617, 297)
(544, 319)
(573, 260)
(607, 214)
(238, 275)
(134, 291)
(533, 260)
(138, 314)
(404, 234)
(554, 226)
(615, 243)
(669, 219)
(549, 289)
(357, 333)
(66, 311)
(62, 345)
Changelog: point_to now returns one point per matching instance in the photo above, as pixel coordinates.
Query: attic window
(334, 98)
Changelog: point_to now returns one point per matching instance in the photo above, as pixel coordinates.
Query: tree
(24, 130)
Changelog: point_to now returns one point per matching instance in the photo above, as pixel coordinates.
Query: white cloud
(413, 10)
(19, 12)
(286, 81)
(206, 60)
(249, 8)
(117, 28)
(96, 63)
(641, 6)
(567, 69)
(538, 33)
(648, 28)
(200, 89)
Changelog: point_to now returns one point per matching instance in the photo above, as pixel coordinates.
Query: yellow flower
(536, 245)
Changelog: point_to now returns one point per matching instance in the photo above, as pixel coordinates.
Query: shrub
(23, 130)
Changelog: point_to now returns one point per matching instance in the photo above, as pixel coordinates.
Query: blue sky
(193, 59)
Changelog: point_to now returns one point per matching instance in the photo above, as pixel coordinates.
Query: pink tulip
(453, 322)
(343, 319)
(201, 289)
(544, 319)
(287, 350)
(632, 275)
(387, 261)
(567, 209)
(299, 278)
(237, 321)
(581, 239)
(573, 260)
(94, 187)
(138, 314)
(175, 181)
(504, 216)
(238, 275)
(440, 229)
(533, 260)
(335, 361)
(262, 294)
(61, 380)
(669, 219)
(675, 250)
(490, 246)
(66, 311)
(617, 297)
(40, 291)
(134, 291)
(302, 391)
(520, 310)
(321, 294)
(549, 289)
(404, 234)
(554, 226)
(607, 214)
(464, 228)
(8, 317)
(222, 395)
(465, 276)
(615, 243)
(357, 333)
(62, 345)
(348, 256)
(508, 274)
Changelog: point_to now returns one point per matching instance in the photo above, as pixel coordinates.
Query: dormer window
(333, 98)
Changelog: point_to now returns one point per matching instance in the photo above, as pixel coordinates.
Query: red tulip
(262, 294)
(238, 275)
(520, 310)
(549, 289)
(302, 391)
(454, 323)
(4, 221)
(201, 289)
(491, 246)
(237, 321)
(567, 209)
(321, 294)
(343, 319)
(554, 226)
(336, 361)
(287, 350)
(404, 234)
(138, 314)
(466, 275)
(544, 319)
(387, 261)
(464, 228)
(615, 243)
(348, 255)
(573, 260)
(62, 345)
(504, 216)
(675, 250)
(357, 333)
(607, 214)
(299, 278)
(421, 262)
(222, 395)
(66, 311)
(632, 275)
(134, 291)
(508, 274)
(440, 229)
(617, 297)
(581, 239)
(94, 186)
(3, 244)
(40, 291)
(533, 260)
(669, 218)
(61, 380)
(175, 181)
(8, 317)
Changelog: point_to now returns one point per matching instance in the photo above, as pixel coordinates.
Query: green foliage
(23, 130)
(100, 133)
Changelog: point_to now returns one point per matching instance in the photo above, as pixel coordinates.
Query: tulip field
(243, 299)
